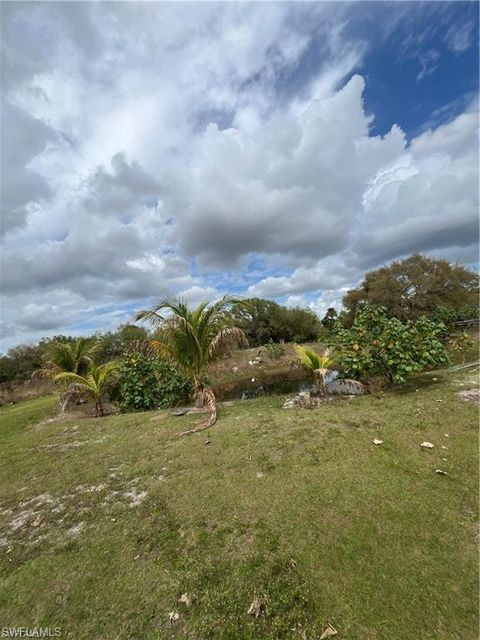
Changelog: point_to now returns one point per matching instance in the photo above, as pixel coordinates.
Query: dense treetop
(416, 286)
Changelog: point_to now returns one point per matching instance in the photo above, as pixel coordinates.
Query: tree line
(407, 290)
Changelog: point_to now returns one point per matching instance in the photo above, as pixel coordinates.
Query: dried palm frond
(226, 340)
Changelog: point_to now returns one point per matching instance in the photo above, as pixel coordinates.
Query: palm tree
(318, 365)
(192, 339)
(95, 383)
(69, 357)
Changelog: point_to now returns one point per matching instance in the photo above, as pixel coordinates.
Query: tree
(193, 339)
(95, 383)
(266, 321)
(379, 345)
(126, 338)
(21, 361)
(330, 318)
(303, 325)
(318, 365)
(414, 287)
(69, 357)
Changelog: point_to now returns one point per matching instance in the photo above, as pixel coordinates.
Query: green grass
(297, 507)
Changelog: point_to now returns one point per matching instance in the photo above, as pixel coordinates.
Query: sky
(278, 150)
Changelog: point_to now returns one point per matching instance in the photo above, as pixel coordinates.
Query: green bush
(149, 383)
(274, 350)
(378, 345)
(450, 316)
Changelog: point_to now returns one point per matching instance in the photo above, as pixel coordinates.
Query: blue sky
(398, 91)
(268, 149)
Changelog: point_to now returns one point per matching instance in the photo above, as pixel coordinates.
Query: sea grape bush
(379, 345)
(146, 382)
(449, 316)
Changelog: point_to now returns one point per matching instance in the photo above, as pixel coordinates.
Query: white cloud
(428, 64)
(151, 146)
(428, 199)
(460, 38)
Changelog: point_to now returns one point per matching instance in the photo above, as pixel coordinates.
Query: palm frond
(162, 349)
(151, 318)
(192, 337)
(67, 376)
(311, 360)
(227, 339)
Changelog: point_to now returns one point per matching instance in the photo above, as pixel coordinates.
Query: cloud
(279, 190)
(428, 64)
(23, 137)
(459, 38)
(168, 148)
(424, 200)
(427, 199)
(115, 192)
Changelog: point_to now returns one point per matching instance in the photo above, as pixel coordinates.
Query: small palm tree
(95, 382)
(69, 357)
(318, 365)
(193, 339)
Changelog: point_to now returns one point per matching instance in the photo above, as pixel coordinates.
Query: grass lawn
(105, 523)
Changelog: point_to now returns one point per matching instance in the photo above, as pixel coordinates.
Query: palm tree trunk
(98, 408)
(211, 402)
(320, 380)
(199, 395)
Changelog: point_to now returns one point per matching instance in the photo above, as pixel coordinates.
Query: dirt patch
(54, 518)
(470, 395)
(135, 496)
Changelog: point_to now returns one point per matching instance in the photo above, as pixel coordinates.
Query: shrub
(450, 316)
(148, 383)
(274, 350)
(462, 347)
(378, 345)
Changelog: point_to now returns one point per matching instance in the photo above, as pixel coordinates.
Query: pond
(267, 383)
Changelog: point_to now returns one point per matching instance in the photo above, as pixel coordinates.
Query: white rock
(441, 472)
(427, 445)
(377, 441)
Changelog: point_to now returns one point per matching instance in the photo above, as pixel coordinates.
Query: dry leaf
(257, 607)
(441, 472)
(186, 599)
(328, 632)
